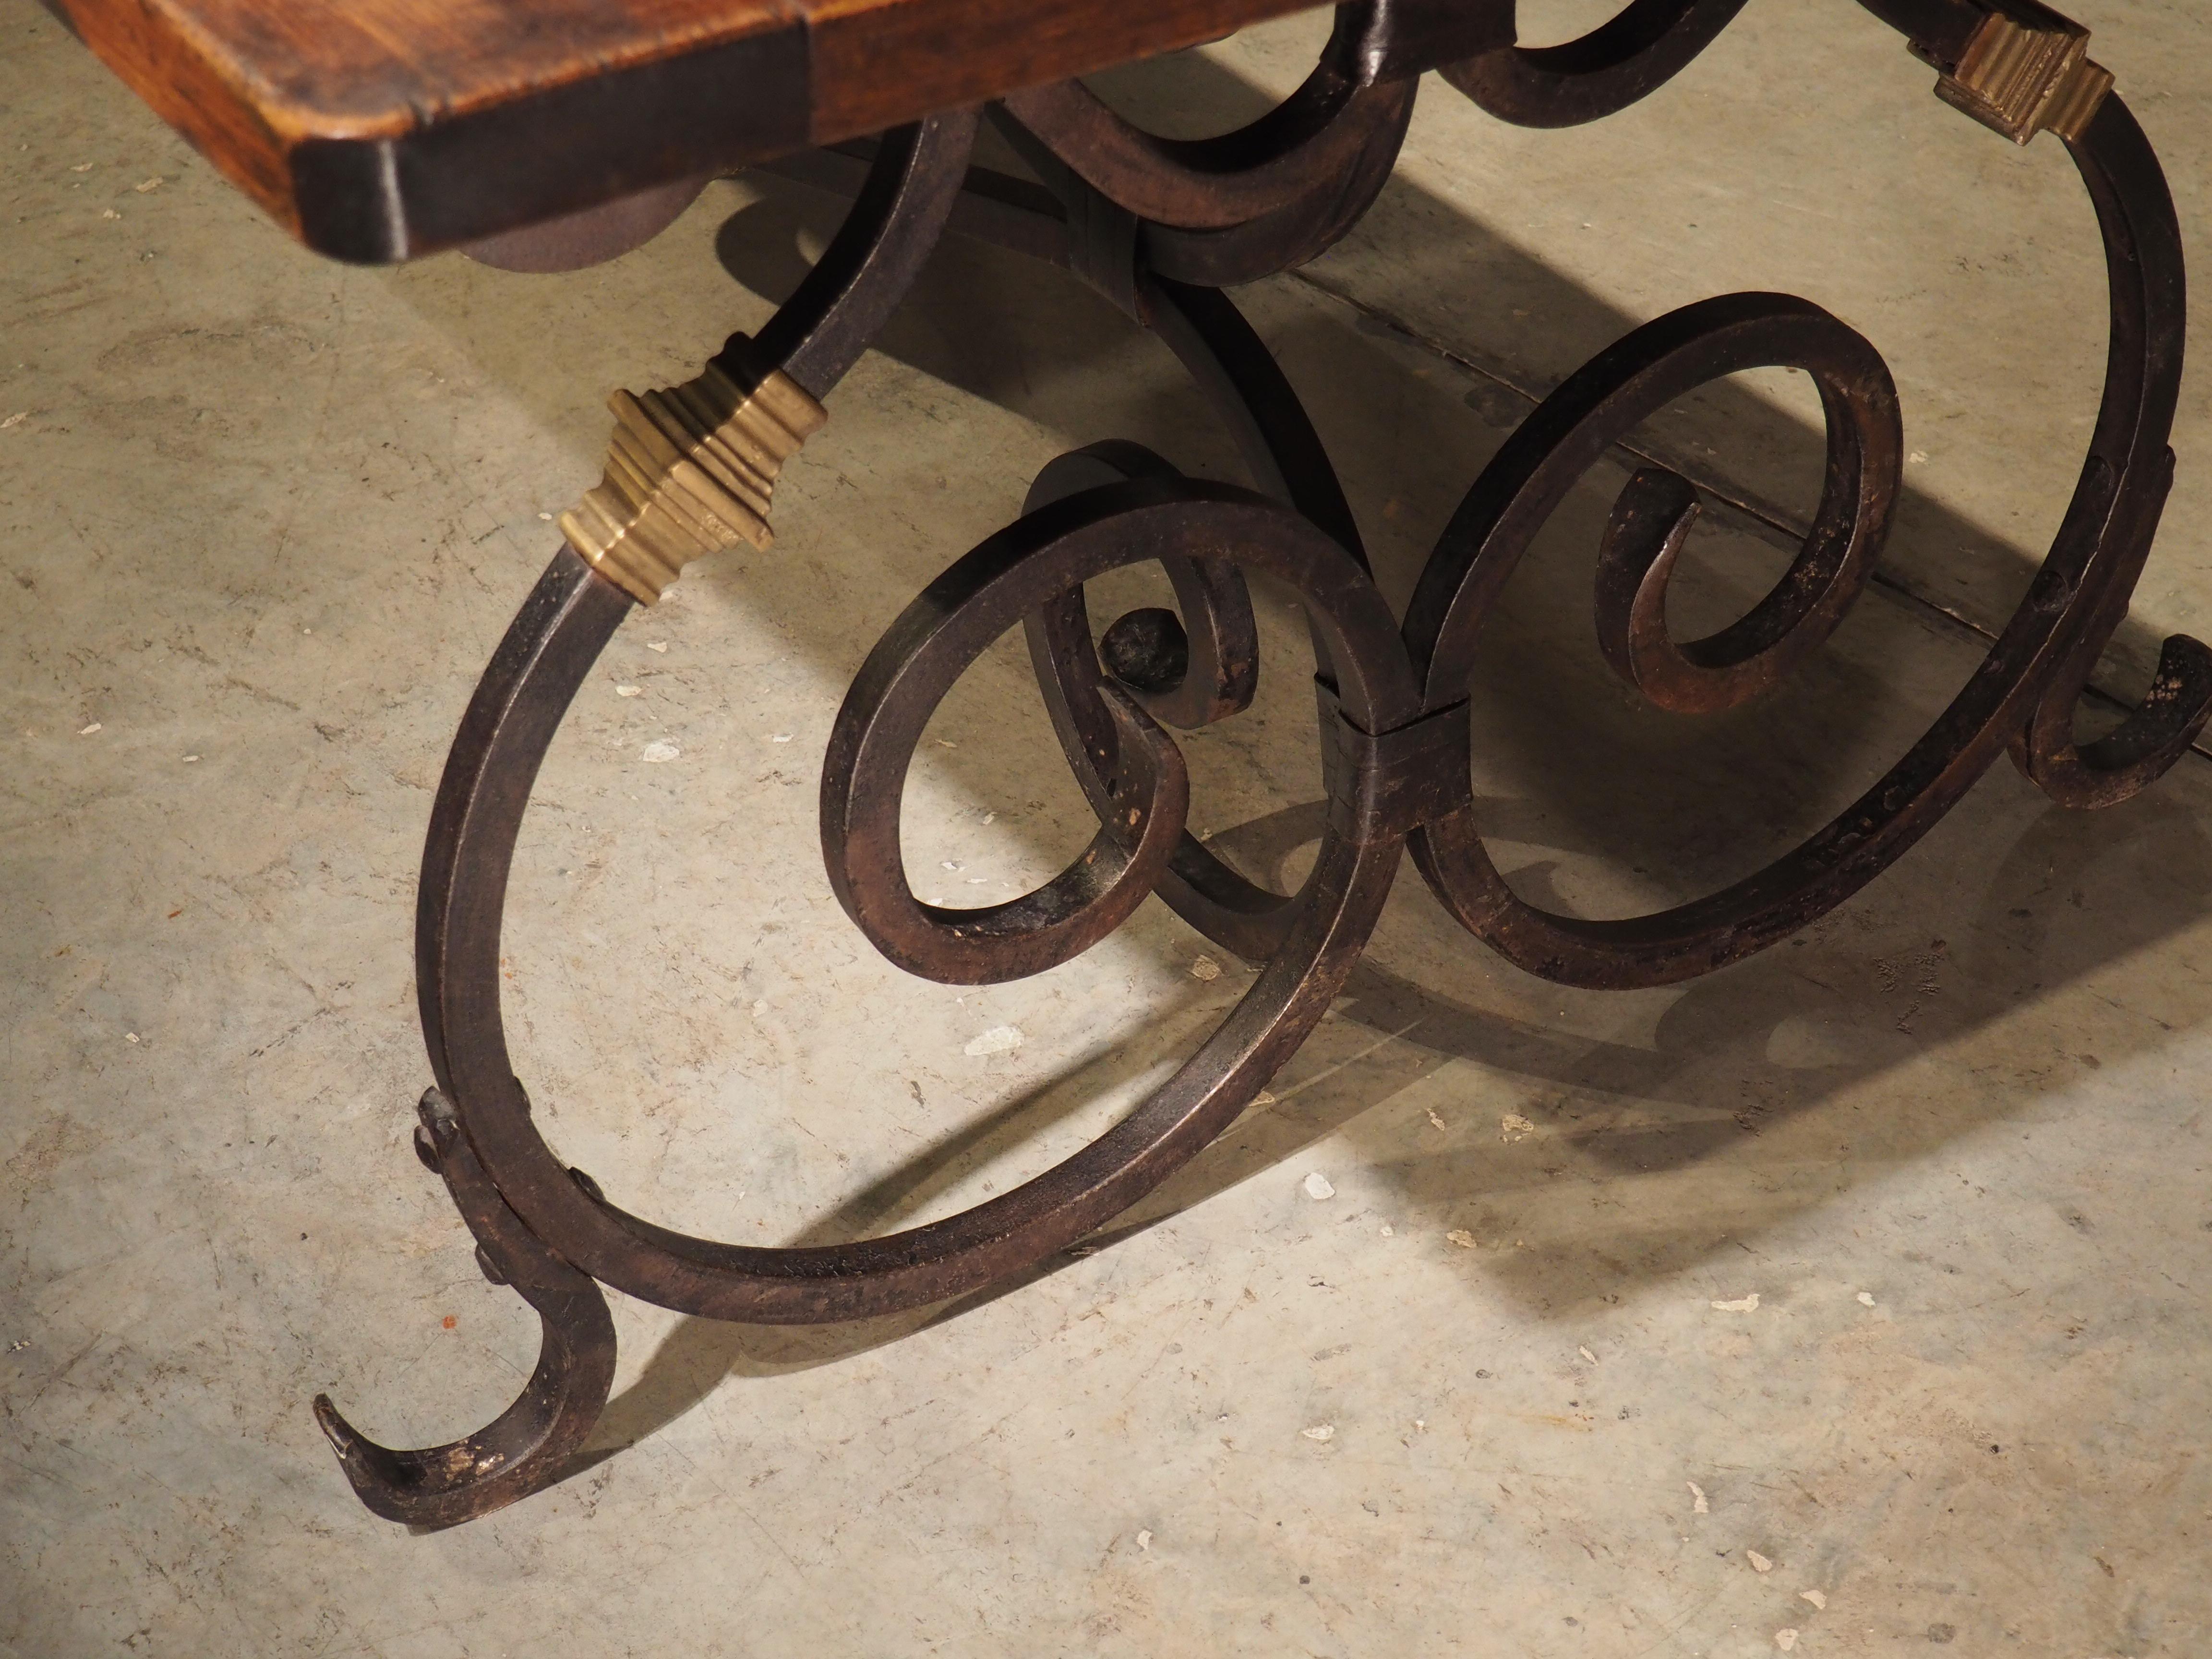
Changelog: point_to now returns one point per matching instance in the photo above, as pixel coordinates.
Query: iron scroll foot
(532, 1444)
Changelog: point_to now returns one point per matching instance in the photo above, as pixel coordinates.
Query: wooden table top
(378, 129)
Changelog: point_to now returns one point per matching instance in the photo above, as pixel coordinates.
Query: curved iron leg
(1395, 759)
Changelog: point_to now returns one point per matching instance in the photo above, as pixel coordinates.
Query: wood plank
(381, 130)
(878, 62)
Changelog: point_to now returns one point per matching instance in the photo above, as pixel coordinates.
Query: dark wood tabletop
(378, 129)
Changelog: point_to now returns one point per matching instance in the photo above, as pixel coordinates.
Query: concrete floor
(265, 517)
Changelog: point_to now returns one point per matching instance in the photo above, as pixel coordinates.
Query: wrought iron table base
(1160, 227)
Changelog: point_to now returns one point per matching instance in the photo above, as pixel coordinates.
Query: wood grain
(878, 62)
(379, 130)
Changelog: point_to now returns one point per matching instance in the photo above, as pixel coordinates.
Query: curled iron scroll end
(530, 1445)
(1642, 541)
(1144, 799)
(2134, 755)
(2165, 725)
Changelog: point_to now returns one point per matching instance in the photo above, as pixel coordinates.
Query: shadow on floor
(1772, 1053)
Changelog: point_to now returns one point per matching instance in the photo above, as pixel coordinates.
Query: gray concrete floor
(265, 517)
